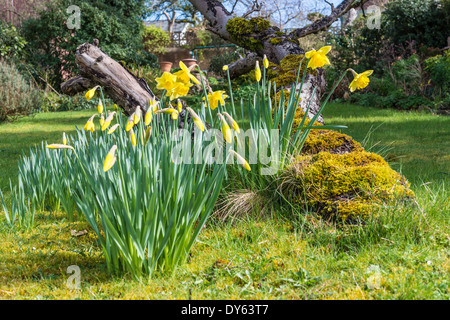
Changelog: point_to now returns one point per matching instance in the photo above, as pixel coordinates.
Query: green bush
(439, 69)
(156, 40)
(11, 42)
(18, 97)
(423, 21)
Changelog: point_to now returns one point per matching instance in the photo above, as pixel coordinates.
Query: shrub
(11, 42)
(155, 40)
(18, 97)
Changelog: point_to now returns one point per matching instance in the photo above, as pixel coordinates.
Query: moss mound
(337, 178)
(345, 186)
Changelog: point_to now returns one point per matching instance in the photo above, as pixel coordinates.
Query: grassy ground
(290, 255)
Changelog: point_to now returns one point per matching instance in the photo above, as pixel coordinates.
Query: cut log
(97, 68)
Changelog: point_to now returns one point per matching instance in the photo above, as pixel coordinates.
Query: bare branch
(255, 8)
(326, 22)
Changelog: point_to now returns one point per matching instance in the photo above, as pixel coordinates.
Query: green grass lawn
(287, 255)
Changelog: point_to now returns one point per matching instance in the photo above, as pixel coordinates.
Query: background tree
(51, 44)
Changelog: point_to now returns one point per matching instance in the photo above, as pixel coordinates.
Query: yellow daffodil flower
(148, 117)
(265, 62)
(59, 146)
(241, 160)
(133, 137)
(226, 131)
(153, 105)
(178, 90)
(113, 128)
(90, 93)
(100, 106)
(148, 133)
(110, 159)
(89, 126)
(232, 122)
(130, 124)
(102, 120)
(225, 68)
(107, 121)
(166, 81)
(215, 97)
(64, 139)
(173, 112)
(257, 72)
(360, 80)
(197, 120)
(317, 59)
(188, 72)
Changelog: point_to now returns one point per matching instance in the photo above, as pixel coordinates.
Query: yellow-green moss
(330, 141)
(345, 186)
(240, 30)
(286, 73)
(275, 40)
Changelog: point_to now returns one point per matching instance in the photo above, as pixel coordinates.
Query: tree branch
(327, 21)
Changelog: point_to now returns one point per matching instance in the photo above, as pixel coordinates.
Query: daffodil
(173, 112)
(265, 62)
(215, 97)
(178, 90)
(113, 128)
(225, 68)
(257, 71)
(148, 133)
(179, 105)
(110, 159)
(116, 108)
(100, 106)
(102, 120)
(59, 146)
(360, 80)
(317, 59)
(64, 139)
(153, 105)
(232, 122)
(130, 123)
(91, 93)
(241, 160)
(197, 120)
(148, 117)
(226, 131)
(166, 81)
(188, 73)
(133, 137)
(108, 120)
(137, 115)
(89, 126)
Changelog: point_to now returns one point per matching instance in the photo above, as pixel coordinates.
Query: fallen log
(118, 83)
